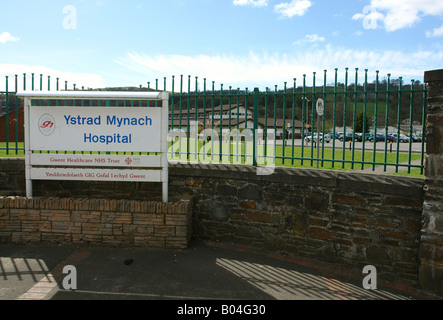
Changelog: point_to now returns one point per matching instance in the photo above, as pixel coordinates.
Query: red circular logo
(46, 124)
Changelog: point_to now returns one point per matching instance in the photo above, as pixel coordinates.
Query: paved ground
(202, 272)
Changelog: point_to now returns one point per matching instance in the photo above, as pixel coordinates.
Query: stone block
(317, 200)
(116, 217)
(56, 215)
(176, 220)
(226, 190)
(86, 216)
(11, 226)
(320, 233)
(164, 231)
(26, 237)
(66, 227)
(59, 238)
(403, 202)
(25, 214)
(142, 218)
(219, 212)
(396, 235)
(36, 226)
(250, 192)
(4, 214)
(295, 222)
(431, 278)
(377, 255)
(412, 226)
(254, 216)
(348, 199)
(93, 228)
(248, 204)
(143, 230)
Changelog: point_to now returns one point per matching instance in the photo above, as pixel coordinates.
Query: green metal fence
(371, 125)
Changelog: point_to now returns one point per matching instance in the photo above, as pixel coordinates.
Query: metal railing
(382, 123)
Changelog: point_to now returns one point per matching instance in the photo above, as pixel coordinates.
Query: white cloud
(79, 79)
(264, 69)
(293, 8)
(397, 14)
(310, 38)
(255, 3)
(437, 32)
(6, 37)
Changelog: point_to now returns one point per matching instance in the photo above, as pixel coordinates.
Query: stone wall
(431, 253)
(94, 221)
(12, 177)
(348, 219)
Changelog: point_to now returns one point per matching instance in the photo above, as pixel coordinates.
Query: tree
(360, 119)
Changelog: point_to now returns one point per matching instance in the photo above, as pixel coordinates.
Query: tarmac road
(201, 272)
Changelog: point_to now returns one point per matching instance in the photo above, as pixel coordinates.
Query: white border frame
(154, 161)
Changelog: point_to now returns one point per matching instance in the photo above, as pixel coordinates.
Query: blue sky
(238, 43)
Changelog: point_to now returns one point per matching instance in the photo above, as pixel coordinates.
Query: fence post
(255, 147)
(7, 114)
(431, 246)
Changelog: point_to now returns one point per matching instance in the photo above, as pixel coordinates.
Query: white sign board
(320, 107)
(95, 129)
(63, 143)
(94, 160)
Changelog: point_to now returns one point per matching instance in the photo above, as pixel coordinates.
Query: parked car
(365, 136)
(331, 134)
(347, 138)
(404, 138)
(379, 137)
(392, 137)
(416, 138)
(326, 137)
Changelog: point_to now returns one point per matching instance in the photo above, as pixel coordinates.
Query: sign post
(96, 143)
(320, 111)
